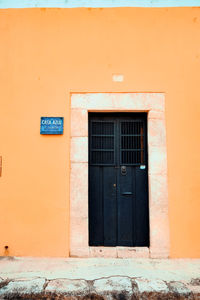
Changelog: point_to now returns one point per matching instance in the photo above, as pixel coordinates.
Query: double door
(118, 180)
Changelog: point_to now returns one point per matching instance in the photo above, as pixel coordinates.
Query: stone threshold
(119, 252)
(113, 287)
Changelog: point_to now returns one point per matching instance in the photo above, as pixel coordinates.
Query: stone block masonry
(107, 288)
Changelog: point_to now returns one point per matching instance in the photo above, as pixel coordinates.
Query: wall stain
(6, 251)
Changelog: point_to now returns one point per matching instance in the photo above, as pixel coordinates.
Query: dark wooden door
(118, 180)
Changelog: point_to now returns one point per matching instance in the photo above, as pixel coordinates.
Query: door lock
(123, 170)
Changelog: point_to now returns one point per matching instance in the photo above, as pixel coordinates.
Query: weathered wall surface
(46, 54)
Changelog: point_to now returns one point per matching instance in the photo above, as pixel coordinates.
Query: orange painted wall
(46, 54)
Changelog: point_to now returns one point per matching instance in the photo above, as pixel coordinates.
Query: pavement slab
(22, 288)
(148, 286)
(180, 288)
(113, 287)
(68, 287)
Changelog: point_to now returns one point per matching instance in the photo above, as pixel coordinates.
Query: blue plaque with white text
(51, 125)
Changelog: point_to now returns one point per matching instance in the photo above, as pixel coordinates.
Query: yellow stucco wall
(46, 54)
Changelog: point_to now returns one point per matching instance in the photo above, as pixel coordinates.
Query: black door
(118, 180)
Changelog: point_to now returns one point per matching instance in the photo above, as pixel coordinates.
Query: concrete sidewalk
(99, 278)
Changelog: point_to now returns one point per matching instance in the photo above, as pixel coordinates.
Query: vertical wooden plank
(96, 234)
(110, 206)
(125, 208)
(141, 208)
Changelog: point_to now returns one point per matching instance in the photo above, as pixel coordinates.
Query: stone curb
(107, 288)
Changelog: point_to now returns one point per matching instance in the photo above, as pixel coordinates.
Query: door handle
(127, 193)
(123, 170)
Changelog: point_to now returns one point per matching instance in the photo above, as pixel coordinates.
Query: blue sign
(51, 125)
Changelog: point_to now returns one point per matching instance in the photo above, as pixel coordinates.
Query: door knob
(123, 170)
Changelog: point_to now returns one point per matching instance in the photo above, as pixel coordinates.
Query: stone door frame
(154, 105)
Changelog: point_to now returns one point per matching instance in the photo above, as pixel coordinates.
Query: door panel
(125, 208)
(118, 180)
(141, 208)
(110, 206)
(96, 234)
